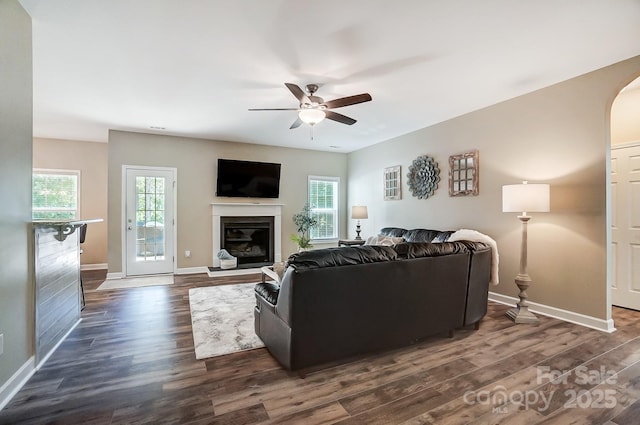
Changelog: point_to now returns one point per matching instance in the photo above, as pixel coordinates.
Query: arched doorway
(625, 198)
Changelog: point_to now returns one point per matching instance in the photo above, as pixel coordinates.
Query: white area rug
(222, 319)
(136, 282)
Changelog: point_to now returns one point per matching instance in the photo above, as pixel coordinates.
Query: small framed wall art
(392, 189)
(463, 174)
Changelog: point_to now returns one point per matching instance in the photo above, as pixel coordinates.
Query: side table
(268, 271)
(350, 242)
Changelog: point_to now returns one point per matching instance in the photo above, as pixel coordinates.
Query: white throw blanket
(475, 236)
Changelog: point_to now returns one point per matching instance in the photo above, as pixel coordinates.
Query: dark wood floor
(131, 360)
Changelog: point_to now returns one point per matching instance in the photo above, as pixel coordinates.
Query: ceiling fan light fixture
(311, 116)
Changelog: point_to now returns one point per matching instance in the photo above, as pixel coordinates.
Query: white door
(625, 222)
(149, 220)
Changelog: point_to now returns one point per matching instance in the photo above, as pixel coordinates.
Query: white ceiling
(194, 67)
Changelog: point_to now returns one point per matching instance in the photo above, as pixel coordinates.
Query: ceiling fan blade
(297, 92)
(349, 100)
(273, 109)
(330, 115)
(297, 123)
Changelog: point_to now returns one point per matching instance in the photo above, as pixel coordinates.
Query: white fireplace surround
(247, 210)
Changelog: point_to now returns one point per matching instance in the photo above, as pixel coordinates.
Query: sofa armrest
(478, 289)
(273, 331)
(269, 291)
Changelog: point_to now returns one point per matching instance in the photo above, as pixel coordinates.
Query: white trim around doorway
(123, 215)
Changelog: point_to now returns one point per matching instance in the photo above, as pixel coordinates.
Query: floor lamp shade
(525, 198)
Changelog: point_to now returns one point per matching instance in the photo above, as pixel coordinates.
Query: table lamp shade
(525, 198)
(359, 212)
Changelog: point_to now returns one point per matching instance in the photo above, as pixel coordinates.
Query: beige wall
(16, 277)
(625, 117)
(196, 163)
(558, 135)
(91, 159)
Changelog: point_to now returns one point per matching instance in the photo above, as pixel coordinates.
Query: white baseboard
(55, 347)
(232, 272)
(184, 270)
(115, 275)
(26, 371)
(558, 313)
(10, 388)
(192, 270)
(97, 266)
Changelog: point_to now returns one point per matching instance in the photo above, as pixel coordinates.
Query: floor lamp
(524, 198)
(359, 212)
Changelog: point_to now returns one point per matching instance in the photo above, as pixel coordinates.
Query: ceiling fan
(314, 109)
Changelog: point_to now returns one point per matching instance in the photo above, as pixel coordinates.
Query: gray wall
(196, 162)
(558, 135)
(16, 287)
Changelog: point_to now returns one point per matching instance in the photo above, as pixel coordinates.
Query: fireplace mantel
(246, 209)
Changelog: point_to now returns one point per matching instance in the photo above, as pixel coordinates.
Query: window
(55, 194)
(323, 201)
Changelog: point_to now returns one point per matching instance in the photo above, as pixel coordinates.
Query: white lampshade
(359, 212)
(311, 116)
(525, 198)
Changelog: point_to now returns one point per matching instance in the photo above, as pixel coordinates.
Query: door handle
(129, 228)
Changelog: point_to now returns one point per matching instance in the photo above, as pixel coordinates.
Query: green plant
(304, 223)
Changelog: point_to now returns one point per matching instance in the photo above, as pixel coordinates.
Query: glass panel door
(149, 221)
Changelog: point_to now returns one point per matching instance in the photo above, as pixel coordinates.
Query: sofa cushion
(426, 235)
(474, 245)
(443, 236)
(383, 240)
(393, 231)
(427, 249)
(269, 291)
(350, 255)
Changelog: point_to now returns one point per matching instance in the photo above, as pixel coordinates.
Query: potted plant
(304, 223)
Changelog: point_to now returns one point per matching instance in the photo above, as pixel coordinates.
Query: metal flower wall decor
(423, 177)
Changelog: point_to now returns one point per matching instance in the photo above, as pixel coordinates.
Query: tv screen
(248, 179)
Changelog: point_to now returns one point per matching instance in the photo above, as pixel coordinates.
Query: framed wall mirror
(392, 190)
(463, 174)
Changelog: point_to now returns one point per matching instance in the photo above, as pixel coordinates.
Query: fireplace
(249, 239)
(247, 213)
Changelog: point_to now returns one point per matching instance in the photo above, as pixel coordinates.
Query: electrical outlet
(187, 254)
(1, 344)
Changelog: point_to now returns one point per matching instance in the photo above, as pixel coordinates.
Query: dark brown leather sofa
(478, 290)
(337, 303)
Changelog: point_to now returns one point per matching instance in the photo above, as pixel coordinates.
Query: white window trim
(337, 195)
(61, 172)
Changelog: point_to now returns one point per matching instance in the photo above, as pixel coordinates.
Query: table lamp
(359, 213)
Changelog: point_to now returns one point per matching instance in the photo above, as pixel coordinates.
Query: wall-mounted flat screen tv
(248, 179)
